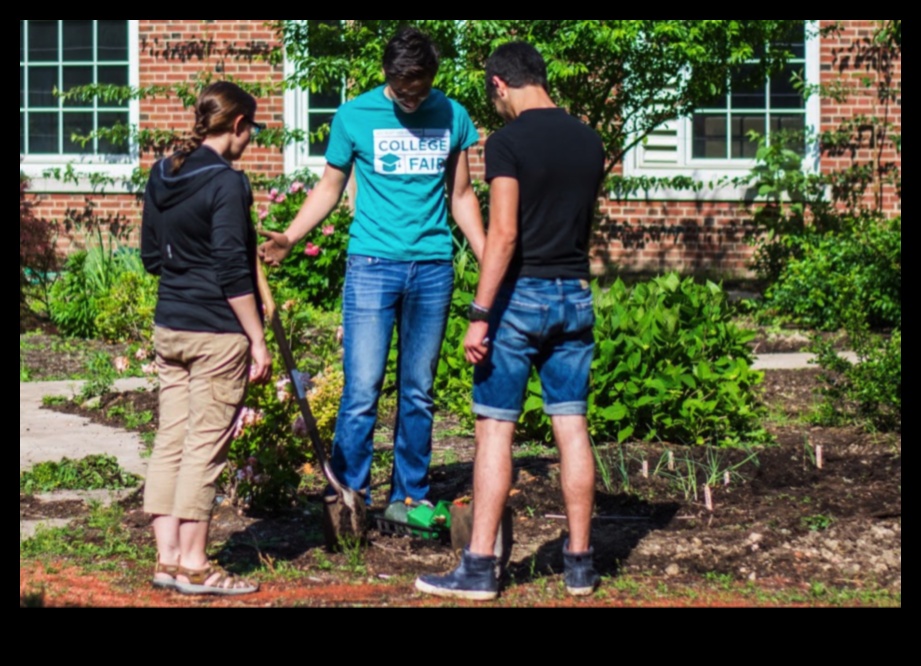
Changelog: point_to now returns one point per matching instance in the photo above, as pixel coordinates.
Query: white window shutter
(661, 147)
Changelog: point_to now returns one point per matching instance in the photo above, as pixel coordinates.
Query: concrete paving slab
(46, 436)
(791, 361)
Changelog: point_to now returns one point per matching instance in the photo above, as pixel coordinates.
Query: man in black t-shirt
(533, 308)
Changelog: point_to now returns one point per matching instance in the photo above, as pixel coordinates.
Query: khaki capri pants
(203, 378)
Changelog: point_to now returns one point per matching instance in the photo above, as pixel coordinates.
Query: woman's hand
(260, 370)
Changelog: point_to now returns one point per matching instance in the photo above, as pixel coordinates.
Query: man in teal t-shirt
(408, 146)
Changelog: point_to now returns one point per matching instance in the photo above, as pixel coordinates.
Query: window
(714, 143)
(310, 112)
(60, 55)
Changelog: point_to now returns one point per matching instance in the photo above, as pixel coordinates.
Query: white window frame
(714, 171)
(297, 116)
(117, 167)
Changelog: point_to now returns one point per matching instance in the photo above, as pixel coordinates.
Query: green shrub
(669, 365)
(856, 268)
(867, 393)
(316, 267)
(126, 311)
(98, 472)
(268, 454)
(106, 293)
(73, 299)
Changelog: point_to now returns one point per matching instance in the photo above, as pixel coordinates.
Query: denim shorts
(547, 325)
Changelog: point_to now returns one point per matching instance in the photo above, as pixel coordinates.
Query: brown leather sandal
(226, 584)
(170, 570)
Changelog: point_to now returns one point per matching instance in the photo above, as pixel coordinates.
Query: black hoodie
(198, 236)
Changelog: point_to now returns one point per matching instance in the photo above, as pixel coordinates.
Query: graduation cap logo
(390, 163)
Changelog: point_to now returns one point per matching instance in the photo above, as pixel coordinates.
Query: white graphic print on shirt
(406, 152)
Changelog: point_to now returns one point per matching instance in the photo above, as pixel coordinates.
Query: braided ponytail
(216, 109)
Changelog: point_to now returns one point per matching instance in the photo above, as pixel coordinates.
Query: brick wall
(848, 55)
(175, 52)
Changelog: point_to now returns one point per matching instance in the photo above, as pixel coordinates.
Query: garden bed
(782, 532)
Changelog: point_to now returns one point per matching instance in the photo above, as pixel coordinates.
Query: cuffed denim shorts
(547, 325)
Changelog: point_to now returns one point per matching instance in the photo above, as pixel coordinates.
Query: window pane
(22, 133)
(317, 120)
(783, 91)
(709, 137)
(78, 41)
(113, 40)
(109, 120)
(22, 40)
(797, 43)
(326, 100)
(77, 76)
(43, 133)
(742, 146)
(42, 82)
(791, 129)
(43, 41)
(82, 125)
(113, 76)
(22, 87)
(748, 90)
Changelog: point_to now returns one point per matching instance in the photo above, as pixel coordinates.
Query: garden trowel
(345, 511)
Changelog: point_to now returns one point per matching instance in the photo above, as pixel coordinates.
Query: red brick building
(692, 231)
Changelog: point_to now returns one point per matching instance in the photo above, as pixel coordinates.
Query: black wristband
(476, 313)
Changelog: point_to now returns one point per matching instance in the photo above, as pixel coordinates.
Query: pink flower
(296, 187)
(149, 369)
(263, 213)
(281, 198)
(329, 230)
(142, 354)
(248, 418)
(273, 194)
(312, 250)
(281, 390)
(121, 364)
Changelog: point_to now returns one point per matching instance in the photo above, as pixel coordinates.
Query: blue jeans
(545, 324)
(380, 294)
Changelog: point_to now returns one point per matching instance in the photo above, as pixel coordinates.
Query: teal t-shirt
(400, 164)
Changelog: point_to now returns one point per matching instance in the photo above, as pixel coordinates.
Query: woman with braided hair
(197, 236)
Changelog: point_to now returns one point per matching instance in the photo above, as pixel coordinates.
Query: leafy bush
(98, 472)
(37, 257)
(859, 267)
(73, 299)
(868, 392)
(316, 267)
(267, 457)
(671, 365)
(104, 292)
(126, 310)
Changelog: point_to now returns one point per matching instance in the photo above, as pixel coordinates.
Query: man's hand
(260, 370)
(476, 344)
(276, 249)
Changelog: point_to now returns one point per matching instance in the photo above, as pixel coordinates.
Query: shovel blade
(345, 521)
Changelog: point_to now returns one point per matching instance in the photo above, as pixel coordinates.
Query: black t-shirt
(558, 162)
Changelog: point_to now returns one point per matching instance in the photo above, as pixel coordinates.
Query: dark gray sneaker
(581, 578)
(473, 580)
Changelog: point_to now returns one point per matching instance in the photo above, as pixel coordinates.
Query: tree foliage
(624, 77)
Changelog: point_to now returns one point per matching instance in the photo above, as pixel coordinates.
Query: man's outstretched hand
(276, 249)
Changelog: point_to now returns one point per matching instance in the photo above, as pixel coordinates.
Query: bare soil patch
(780, 524)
